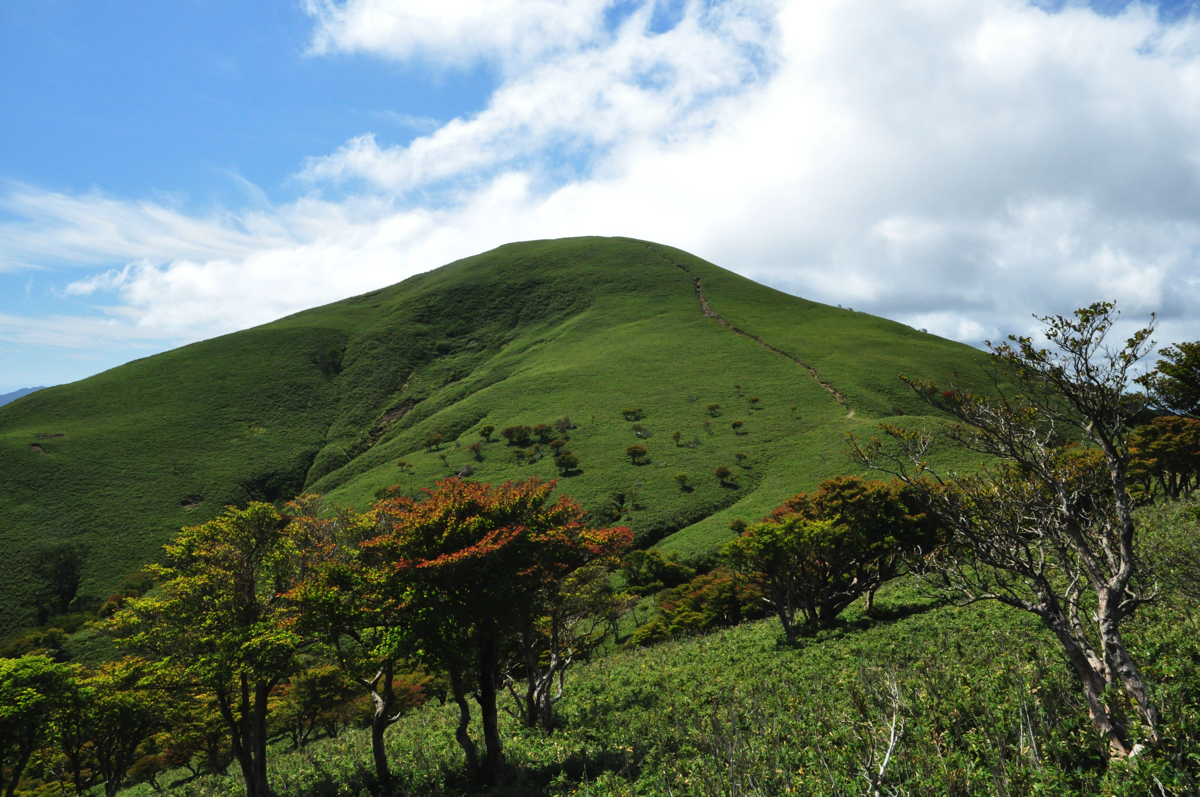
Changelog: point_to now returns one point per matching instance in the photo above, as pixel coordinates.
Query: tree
(31, 691)
(791, 558)
(486, 433)
(713, 409)
(474, 566)
(636, 454)
(1049, 529)
(565, 461)
(737, 426)
(579, 608)
(716, 599)
(741, 458)
(1165, 453)
(633, 413)
(476, 450)
(754, 402)
(820, 552)
(196, 740)
(888, 519)
(104, 718)
(309, 700)
(682, 480)
(648, 571)
(676, 436)
(219, 622)
(517, 435)
(1174, 385)
(432, 441)
(722, 473)
(345, 605)
(59, 572)
(329, 360)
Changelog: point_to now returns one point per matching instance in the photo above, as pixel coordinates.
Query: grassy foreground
(333, 399)
(983, 703)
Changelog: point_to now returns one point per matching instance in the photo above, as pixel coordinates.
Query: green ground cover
(331, 399)
(987, 706)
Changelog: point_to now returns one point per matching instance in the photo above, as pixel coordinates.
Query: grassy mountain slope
(329, 400)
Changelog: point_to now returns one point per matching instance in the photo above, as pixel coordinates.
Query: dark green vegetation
(347, 400)
(984, 703)
(968, 701)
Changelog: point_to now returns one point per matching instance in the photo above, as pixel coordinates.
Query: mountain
(16, 394)
(330, 400)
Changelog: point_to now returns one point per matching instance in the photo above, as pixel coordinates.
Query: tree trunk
(869, 601)
(248, 733)
(380, 721)
(212, 750)
(1119, 662)
(1094, 683)
(538, 711)
(789, 626)
(489, 674)
(785, 609)
(462, 732)
(115, 765)
(262, 691)
(239, 728)
(19, 766)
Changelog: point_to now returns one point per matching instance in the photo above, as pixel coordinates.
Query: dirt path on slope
(708, 312)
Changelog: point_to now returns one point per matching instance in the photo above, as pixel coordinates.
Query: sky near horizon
(174, 171)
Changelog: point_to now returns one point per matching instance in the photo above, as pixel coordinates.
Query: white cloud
(46, 227)
(638, 87)
(953, 164)
(75, 332)
(454, 31)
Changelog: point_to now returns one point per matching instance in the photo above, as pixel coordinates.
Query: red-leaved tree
(474, 567)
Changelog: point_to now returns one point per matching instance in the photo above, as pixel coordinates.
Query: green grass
(524, 334)
(989, 707)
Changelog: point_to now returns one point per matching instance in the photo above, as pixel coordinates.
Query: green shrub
(648, 571)
(517, 435)
(565, 461)
(714, 600)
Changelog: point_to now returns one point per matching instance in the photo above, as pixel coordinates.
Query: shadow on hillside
(880, 615)
(576, 768)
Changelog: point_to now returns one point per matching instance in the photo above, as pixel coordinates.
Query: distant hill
(331, 399)
(16, 394)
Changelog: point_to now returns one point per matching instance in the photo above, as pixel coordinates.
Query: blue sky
(172, 171)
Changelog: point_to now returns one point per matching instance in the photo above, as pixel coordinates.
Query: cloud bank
(953, 164)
